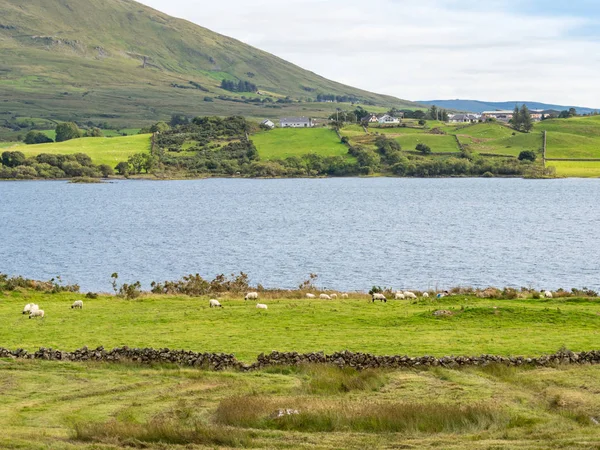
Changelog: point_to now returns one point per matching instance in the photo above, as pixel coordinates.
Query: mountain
(121, 61)
(477, 106)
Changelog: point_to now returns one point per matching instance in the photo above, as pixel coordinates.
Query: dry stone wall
(360, 361)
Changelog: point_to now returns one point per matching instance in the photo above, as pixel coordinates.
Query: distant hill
(120, 61)
(478, 106)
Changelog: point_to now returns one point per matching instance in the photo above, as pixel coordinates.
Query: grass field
(92, 406)
(8, 144)
(438, 143)
(498, 139)
(281, 143)
(102, 150)
(582, 169)
(528, 327)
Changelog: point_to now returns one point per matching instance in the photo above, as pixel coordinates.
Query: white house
(372, 118)
(386, 119)
(464, 118)
(267, 123)
(296, 122)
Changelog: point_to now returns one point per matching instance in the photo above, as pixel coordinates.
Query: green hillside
(283, 143)
(84, 60)
(109, 151)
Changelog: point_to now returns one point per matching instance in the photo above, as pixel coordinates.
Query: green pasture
(581, 169)
(439, 143)
(102, 150)
(73, 406)
(282, 143)
(498, 139)
(516, 327)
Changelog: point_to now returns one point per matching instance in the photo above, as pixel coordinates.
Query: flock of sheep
(34, 310)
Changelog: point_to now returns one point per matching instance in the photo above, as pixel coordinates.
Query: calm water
(404, 233)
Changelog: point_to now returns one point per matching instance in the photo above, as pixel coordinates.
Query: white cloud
(425, 50)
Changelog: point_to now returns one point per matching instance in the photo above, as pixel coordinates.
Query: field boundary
(359, 361)
(574, 160)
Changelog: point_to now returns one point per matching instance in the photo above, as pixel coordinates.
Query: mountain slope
(118, 59)
(477, 106)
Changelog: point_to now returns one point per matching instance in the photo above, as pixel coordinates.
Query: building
(372, 118)
(386, 119)
(464, 118)
(267, 123)
(500, 115)
(296, 122)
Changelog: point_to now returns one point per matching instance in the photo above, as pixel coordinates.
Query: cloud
(432, 49)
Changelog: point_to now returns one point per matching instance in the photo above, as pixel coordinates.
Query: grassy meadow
(72, 406)
(282, 143)
(517, 327)
(102, 150)
(577, 169)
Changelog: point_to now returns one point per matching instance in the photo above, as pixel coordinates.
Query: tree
(423, 148)
(418, 114)
(178, 119)
(66, 131)
(136, 163)
(516, 118)
(13, 159)
(526, 123)
(527, 155)
(122, 168)
(106, 170)
(572, 112)
(422, 122)
(433, 113)
(36, 137)
(94, 132)
(160, 127)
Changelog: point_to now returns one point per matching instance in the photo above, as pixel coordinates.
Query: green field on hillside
(102, 150)
(74, 406)
(498, 139)
(582, 169)
(281, 143)
(523, 327)
(439, 143)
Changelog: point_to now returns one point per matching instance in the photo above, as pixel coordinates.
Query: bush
(67, 131)
(36, 137)
(424, 149)
(527, 155)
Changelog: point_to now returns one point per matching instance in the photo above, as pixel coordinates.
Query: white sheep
(425, 295)
(30, 307)
(409, 294)
(324, 297)
(333, 295)
(380, 297)
(215, 304)
(547, 294)
(310, 296)
(399, 296)
(77, 305)
(344, 295)
(36, 313)
(261, 306)
(251, 296)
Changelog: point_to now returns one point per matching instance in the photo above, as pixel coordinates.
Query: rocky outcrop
(360, 361)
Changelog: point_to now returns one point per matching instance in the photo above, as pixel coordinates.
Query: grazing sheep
(425, 295)
(77, 305)
(399, 296)
(311, 296)
(215, 304)
(379, 297)
(408, 294)
(261, 306)
(251, 296)
(333, 295)
(36, 313)
(344, 295)
(324, 297)
(30, 307)
(547, 294)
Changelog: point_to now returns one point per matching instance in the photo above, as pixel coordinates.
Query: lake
(354, 233)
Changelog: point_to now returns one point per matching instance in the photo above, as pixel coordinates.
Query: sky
(492, 50)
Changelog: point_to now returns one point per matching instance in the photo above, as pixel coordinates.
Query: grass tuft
(333, 380)
(164, 431)
(316, 415)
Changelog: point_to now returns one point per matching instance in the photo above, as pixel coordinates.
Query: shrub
(36, 137)
(67, 131)
(527, 155)
(423, 148)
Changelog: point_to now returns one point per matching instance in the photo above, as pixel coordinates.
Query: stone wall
(360, 361)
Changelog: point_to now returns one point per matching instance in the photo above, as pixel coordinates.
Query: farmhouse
(386, 119)
(267, 123)
(296, 122)
(370, 119)
(500, 115)
(464, 118)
